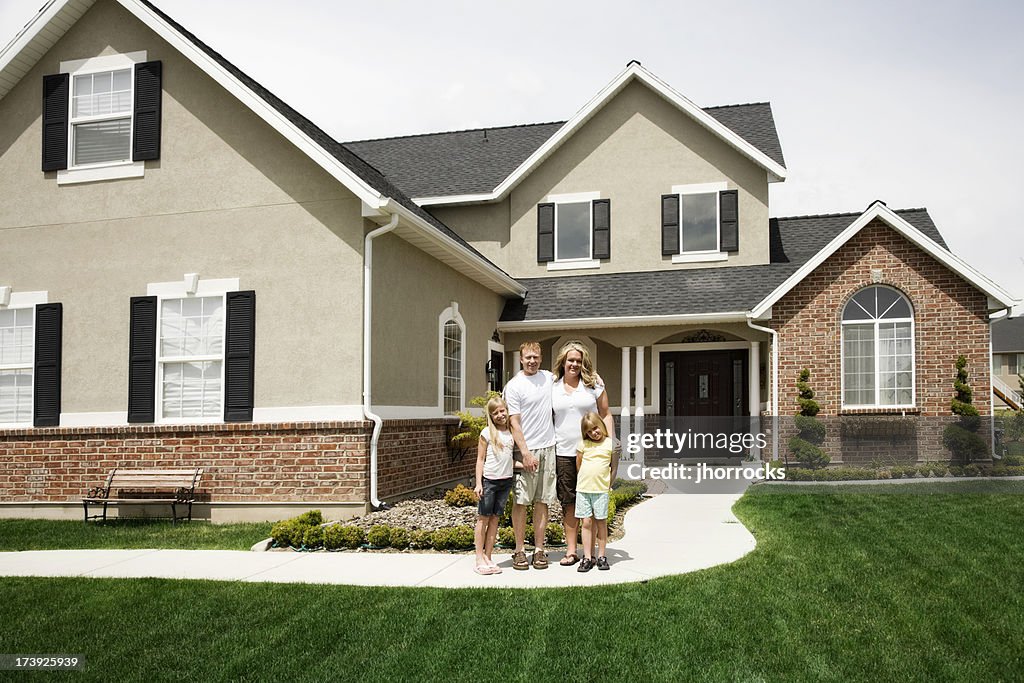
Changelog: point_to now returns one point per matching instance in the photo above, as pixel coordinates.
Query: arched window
(452, 370)
(878, 349)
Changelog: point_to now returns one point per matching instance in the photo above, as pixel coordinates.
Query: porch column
(638, 423)
(624, 402)
(754, 370)
(516, 367)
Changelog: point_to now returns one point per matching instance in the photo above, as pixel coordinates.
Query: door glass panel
(702, 386)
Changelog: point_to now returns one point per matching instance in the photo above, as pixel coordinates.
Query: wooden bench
(181, 484)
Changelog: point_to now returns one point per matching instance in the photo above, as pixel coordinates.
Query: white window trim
(448, 314)
(24, 300)
(177, 290)
(705, 255)
(878, 385)
(585, 262)
(102, 171)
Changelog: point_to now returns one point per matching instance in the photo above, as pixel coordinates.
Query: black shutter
(545, 233)
(728, 211)
(669, 224)
(148, 90)
(142, 360)
(46, 375)
(56, 97)
(602, 228)
(239, 366)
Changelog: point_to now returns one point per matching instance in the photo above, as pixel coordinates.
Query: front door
(704, 391)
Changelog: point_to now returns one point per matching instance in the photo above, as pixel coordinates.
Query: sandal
(586, 564)
(572, 558)
(602, 563)
(540, 559)
(483, 569)
(519, 560)
(495, 569)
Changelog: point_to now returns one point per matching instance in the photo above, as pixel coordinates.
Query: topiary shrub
(460, 497)
(337, 536)
(399, 538)
(314, 537)
(961, 438)
(379, 535)
(806, 445)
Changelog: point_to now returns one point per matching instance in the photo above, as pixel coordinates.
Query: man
(528, 396)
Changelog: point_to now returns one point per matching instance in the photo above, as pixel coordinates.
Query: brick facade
(309, 462)
(950, 318)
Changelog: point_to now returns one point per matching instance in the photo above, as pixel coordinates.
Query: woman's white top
(569, 408)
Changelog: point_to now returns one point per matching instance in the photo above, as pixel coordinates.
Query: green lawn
(842, 586)
(40, 534)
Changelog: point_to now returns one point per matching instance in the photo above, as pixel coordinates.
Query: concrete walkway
(672, 533)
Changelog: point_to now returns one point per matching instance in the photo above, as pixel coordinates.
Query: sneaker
(602, 563)
(586, 564)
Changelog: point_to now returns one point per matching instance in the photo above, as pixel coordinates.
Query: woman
(577, 390)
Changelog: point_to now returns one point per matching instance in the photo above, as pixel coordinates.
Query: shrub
(554, 534)
(806, 445)
(956, 470)
(961, 438)
(288, 533)
(1013, 426)
(971, 470)
(507, 537)
(471, 425)
(311, 518)
(399, 538)
(453, 538)
(314, 537)
(460, 497)
(1013, 460)
(421, 539)
(379, 535)
(338, 536)
(611, 513)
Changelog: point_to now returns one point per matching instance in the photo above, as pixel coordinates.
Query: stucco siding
(229, 198)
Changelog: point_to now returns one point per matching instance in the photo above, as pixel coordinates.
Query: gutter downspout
(378, 423)
(774, 409)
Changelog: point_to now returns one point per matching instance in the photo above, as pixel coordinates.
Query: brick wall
(288, 462)
(950, 318)
(413, 454)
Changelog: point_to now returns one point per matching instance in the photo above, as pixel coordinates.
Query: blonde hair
(590, 422)
(586, 364)
(529, 345)
(492, 429)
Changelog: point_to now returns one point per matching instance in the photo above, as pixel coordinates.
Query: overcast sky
(918, 104)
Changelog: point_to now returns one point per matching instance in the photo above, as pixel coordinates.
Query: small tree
(961, 437)
(806, 445)
(470, 425)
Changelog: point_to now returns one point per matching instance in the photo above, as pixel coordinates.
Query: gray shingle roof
(476, 161)
(794, 241)
(370, 175)
(1008, 335)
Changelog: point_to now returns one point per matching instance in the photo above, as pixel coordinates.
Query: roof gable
(359, 177)
(764, 130)
(998, 297)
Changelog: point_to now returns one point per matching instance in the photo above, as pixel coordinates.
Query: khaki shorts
(539, 486)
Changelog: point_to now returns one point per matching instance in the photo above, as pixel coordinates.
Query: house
(193, 273)
(1007, 362)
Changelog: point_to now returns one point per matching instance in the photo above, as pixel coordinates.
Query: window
(699, 223)
(101, 117)
(17, 341)
(452, 360)
(878, 349)
(574, 231)
(191, 357)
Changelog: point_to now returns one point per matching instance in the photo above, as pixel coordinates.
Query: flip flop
(575, 559)
(483, 570)
(495, 569)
